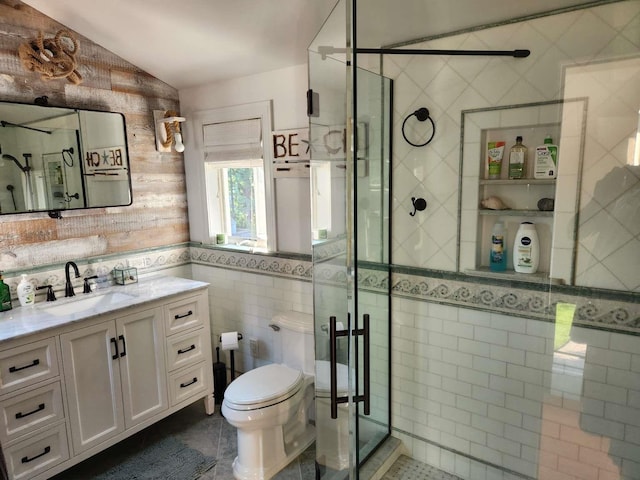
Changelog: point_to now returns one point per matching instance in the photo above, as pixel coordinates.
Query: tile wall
(560, 45)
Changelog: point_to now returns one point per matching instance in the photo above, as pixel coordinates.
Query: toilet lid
(262, 387)
(323, 378)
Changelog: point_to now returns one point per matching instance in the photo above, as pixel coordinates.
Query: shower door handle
(366, 337)
(333, 363)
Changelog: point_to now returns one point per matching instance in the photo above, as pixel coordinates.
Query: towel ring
(421, 114)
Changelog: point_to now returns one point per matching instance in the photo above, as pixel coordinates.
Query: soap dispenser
(26, 292)
(5, 296)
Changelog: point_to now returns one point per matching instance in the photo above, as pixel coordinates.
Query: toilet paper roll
(229, 340)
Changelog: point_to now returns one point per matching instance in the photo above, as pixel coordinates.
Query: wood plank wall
(158, 215)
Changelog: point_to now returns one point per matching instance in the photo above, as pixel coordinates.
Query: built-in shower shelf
(539, 277)
(519, 182)
(515, 213)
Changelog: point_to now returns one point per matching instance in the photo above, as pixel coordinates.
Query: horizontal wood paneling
(158, 215)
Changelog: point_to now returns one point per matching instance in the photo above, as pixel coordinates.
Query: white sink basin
(87, 302)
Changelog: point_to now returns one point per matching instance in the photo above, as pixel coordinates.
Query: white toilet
(332, 435)
(270, 405)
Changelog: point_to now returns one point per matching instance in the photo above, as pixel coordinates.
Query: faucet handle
(51, 297)
(87, 286)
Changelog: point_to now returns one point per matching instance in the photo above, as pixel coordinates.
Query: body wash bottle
(26, 292)
(526, 249)
(5, 296)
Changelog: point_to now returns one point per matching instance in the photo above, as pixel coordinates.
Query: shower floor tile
(405, 468)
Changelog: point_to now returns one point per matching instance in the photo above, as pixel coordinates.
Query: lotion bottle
(546, 163)
(26, 292)
(526, 249)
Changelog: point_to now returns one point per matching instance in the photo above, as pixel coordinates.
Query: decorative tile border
(591, 311)
(594, 308)
(256, 263)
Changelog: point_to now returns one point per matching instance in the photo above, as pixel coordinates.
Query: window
(233, 167)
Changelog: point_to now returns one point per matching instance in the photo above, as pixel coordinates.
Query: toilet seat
(263, 387)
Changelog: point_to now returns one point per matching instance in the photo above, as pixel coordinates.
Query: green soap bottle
(5, 296)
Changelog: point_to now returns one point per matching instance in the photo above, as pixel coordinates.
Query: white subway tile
(482, 349)
(620, 413)
(491, 335)
(506, 385)
(473, 377)
(526, 342)
(487, 365)
(487, 424)
(602, 426)
(508, 355)
(526, 374)
(503, 445)
(505, 415)
(458, 358)
(471, 405)
(508, 323)
(491, 397)
(455, 386)
(625, 343)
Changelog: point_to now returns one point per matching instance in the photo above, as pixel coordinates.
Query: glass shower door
(350, 220)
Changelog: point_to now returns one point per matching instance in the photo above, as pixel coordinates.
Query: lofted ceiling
(194, 42)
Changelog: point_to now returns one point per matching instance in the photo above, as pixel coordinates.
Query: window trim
(194, 167)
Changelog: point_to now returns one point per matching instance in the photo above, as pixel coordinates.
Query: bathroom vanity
(81, 374)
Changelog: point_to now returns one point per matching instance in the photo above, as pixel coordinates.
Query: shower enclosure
(350, 179)
(495, 374)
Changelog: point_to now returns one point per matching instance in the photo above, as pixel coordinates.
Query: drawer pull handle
(47, 449)
(32, 364)
(185, 350)
(177, 316)
(20, 415)
(183, 385)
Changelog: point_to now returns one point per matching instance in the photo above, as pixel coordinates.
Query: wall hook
(419, 204)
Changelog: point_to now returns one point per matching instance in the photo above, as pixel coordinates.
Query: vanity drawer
(31, 410)
(37, 454)
(188, 383)
(185, 349)
(28, 364)
(185, 314)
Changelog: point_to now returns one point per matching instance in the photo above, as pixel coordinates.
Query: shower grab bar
(334, 334)
(366, 396)
(333, 362)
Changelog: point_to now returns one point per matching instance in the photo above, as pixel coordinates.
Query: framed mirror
(54, 159)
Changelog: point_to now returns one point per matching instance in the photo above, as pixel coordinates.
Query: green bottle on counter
(5, 296)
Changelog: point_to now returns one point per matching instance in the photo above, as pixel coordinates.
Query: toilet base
(280, 458)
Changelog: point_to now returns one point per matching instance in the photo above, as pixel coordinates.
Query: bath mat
(166, 459)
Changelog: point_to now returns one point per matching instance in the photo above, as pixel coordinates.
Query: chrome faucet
(68, 287)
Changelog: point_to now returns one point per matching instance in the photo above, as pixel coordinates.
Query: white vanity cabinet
(115, 376)
(70, 391)
(33, 425)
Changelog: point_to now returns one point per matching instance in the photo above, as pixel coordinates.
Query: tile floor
(213, 436)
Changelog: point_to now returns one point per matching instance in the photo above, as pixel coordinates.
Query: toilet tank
(296, 336)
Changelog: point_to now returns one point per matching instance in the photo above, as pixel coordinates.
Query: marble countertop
(23, 321)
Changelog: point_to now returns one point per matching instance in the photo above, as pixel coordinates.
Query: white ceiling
(194, 42)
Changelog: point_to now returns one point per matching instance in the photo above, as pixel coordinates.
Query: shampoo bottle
(26, 292)
(498, 253)
(5, 296)
(517, 159)
(495, 151)
(546, 163)
(526, 249)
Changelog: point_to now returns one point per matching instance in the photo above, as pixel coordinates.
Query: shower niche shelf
(533, 122)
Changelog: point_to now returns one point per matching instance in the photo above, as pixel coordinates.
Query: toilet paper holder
(239, 337)
(232, 363)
